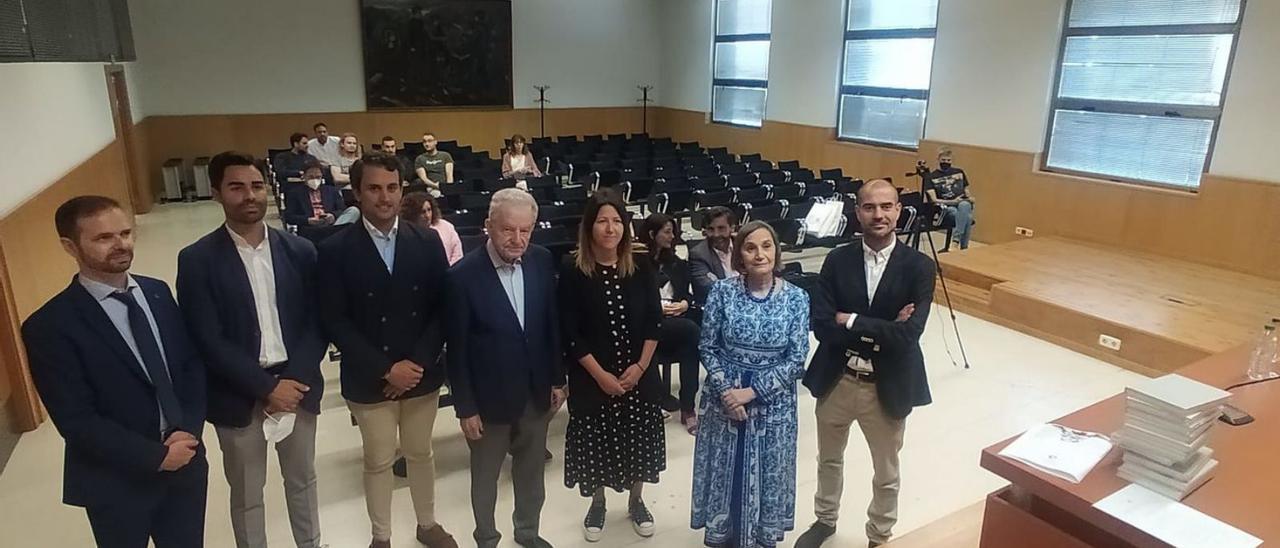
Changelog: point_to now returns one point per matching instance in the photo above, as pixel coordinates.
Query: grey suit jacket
(705, 269)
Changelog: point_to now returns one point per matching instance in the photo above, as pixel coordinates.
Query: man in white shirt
(249, 297)
(324, 148)
(712, 260)
(869, 309)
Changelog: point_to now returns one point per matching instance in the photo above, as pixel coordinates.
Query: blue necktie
(152, 359)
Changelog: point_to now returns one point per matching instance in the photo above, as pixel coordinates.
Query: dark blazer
(377, 319)
(893, 347)
(584, 317)
(218, 304)
(297, 202)
(102, 403)
(495, 366)
(705, 269)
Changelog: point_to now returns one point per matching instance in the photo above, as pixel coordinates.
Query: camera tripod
(922, 171)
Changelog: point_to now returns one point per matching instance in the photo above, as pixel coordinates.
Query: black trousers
(175, 519)
(678, 342)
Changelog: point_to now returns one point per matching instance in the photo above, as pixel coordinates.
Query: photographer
(948, 187)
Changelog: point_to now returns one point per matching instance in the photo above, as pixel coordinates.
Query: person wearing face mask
(870, 307)
(948, 186)
(712, 260)
(755, 338)
(312, 203)
(247, 293)
(611, 319)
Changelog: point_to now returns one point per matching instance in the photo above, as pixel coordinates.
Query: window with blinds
(740, 62)
(888, 60)
(65, 31)
(1139, 90)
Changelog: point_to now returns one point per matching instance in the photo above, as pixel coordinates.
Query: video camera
(922, 170)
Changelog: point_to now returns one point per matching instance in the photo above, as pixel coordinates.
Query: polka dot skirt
(623, 441)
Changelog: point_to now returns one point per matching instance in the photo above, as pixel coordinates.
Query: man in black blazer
(311, 203)
(113, 363)
(383, 307)
(710, 261)
(505, 368)
(869, 309)
(249, 296)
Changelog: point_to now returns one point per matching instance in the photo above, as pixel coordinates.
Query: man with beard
(248, 293)
(868, 312)
(711, 260)
(383, 306)
(113, 363)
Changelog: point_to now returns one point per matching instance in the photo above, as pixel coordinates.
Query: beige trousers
(852, 401)
(413, 419)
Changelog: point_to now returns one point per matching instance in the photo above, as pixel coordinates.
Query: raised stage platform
(1166, 312)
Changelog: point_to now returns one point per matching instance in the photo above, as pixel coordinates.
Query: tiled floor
(1016, 381)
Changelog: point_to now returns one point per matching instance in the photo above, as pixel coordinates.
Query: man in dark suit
(869, 310)
(505, 368)
(383, 308)
(711, 260)
(121, 379)
(289, 164)
(311, 203)
(249, 296)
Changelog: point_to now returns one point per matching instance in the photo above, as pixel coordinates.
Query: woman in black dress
(680, 332)
(611, 319)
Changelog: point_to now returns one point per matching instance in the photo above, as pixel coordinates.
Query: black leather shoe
(817, 534)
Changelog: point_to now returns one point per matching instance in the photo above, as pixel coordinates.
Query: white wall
(236, 57)
(685, 51)
(1250, 132)
(62, 114)
(993, 66)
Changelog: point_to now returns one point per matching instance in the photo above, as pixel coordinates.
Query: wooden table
(1041, 510)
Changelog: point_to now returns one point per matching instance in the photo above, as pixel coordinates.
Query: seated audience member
(678, 341)
(323, 147)
(422, 209)
(948, 187)
(389, 147)
(350, 152)
(290, 164)
(711, 260)
(434, 167)
(311, 203)
(517, 162)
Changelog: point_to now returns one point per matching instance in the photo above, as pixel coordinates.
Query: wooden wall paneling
(18, 397)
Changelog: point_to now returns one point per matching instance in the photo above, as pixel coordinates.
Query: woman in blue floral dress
(755, 339)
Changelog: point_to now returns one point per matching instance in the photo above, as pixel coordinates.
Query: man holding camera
(948, 186)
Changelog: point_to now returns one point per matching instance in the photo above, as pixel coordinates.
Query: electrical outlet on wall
(1107, 341)
(1023, 231)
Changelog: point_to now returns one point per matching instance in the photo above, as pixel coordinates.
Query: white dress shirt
(327, 153)
(874, 263)
(726, 260)
(511, 276)
(262, 282)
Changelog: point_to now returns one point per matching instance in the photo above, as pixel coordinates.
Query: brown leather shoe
(380, 544)
(436, 537)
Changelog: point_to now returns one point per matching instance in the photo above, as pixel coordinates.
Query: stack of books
(1167, 424)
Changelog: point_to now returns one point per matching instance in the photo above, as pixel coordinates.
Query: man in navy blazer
(112, 361)
(249, 295)
(311, 203)
(506, 372)
(383, 307)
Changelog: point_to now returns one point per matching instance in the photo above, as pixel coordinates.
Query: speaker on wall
(436, 53)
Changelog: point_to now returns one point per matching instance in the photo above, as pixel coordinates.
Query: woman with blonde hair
(349, 151)
(611, 318)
